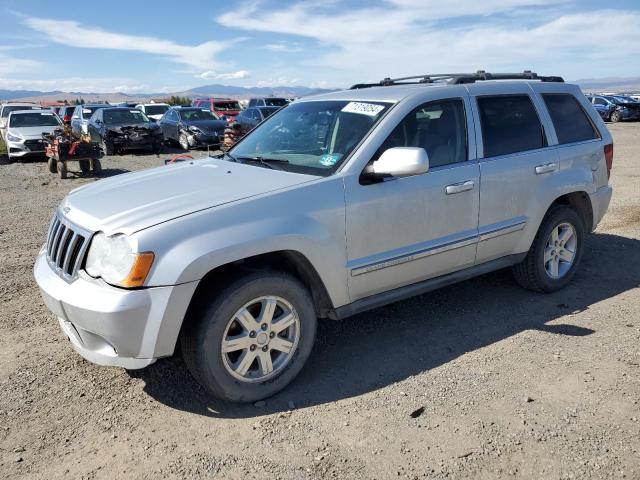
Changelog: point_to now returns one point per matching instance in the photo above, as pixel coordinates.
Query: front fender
(308, 219)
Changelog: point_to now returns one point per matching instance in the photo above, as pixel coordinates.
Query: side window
(599, 101)
(510, 124)
(439, 127)
(569, 119)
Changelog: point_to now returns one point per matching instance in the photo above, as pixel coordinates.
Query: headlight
(14, 138)
(193, 129)
(113, 259)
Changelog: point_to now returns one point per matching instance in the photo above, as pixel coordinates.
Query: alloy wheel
(260, 339)
(560, 250)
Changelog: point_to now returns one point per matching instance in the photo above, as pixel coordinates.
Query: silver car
(7, 108)
(24, 132)
(334, 205)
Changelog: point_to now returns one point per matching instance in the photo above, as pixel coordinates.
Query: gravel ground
(478, 380)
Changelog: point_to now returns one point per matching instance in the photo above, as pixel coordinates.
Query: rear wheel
(85, 166)
(252, 339)
(97, 167)
(62, 169)
(555, 253)
(51, 164)
(107, 147)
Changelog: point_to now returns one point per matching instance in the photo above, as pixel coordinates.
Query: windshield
(621, 99)
(88, 111)
(124, 116)
(223, 106)
(267, 111)
(311, 137)
(36, 119)
(156, 109)
(275, 102)
(197, 114)
(12, 108)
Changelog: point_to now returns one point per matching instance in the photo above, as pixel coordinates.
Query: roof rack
(458, 78)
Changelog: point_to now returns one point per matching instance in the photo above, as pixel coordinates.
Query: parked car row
(614, 108)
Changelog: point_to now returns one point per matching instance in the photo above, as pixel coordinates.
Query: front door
(405, 230)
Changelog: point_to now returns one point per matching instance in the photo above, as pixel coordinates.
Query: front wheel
(615, 117)
(556, 252)
(252, 339)
(183, 141)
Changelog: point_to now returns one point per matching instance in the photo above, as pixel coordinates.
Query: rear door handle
(459, 187)
(546, 168)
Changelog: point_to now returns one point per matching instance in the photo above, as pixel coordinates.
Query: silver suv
(336, 204)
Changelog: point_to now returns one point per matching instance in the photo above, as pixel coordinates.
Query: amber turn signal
(139, 270)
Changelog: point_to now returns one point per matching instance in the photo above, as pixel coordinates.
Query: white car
(154, 111)
(7, 108)
(24, 131)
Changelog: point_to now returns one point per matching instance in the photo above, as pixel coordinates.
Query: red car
(220, 106)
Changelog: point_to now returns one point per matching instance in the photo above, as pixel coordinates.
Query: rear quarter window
(570, 121)
(510, 124)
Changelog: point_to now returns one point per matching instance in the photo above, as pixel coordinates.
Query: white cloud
(10, 65)
(72, 33)
(210, 74)
(281, 81)
(83, 84)
(404, 37)
(282, 46)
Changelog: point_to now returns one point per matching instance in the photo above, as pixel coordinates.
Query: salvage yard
(479, 380)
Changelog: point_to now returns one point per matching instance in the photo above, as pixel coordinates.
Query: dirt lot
(503, 382)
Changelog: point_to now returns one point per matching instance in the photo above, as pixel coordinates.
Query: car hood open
(135, 201)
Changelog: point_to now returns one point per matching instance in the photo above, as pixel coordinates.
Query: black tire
(97, 167)
(62, 169)
(531, 273)
(615, 117)
(183, 142)
(107, 148)
(201, 341)
(85, 166)
(51, 163)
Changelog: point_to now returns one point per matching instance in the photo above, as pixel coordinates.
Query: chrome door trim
(418, 254)
(493, 231)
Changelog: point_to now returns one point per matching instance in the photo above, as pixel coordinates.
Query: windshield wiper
(264, 161)
(226, 154)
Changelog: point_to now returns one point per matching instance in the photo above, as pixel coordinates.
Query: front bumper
(113, 326)
(204, 139)
(20, 149)
(600, 203)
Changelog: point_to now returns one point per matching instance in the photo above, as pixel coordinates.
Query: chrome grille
(66, 247)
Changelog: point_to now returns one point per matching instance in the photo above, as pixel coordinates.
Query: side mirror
(400, 162)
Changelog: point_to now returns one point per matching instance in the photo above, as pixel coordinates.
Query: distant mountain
(246, 92)
(14, 94)
(610, 84)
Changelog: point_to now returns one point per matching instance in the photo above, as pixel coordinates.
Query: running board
(402, 293)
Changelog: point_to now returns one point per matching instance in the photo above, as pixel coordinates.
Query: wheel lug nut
(252, 348)
(265, 348)
(263, 326)
(252, 334)
(271, 335)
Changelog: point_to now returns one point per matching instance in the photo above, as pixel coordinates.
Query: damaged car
(192, 127)
(117, 129)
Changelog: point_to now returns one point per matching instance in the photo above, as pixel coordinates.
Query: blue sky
(164, 46)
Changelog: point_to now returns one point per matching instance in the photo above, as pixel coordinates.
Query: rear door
(514, 162)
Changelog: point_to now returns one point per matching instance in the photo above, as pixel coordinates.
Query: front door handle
(546, 168)
(459, 187)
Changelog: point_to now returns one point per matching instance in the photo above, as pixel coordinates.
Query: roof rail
(458, 78)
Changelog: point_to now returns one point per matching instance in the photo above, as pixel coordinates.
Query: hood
(32, 132)
(135, 201)
(131, 126)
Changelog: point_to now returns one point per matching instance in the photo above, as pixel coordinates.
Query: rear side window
(510, 124)
(569, 119)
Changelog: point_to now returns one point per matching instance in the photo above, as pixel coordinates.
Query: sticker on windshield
(330, 159)
(369, 109)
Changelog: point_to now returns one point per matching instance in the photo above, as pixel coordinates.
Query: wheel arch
(289, 261)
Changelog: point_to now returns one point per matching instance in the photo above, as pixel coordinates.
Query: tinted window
(600, 101)
(120, 116)
(88, 111)
(509, 125)
(266, 111)
(12, 108)
(275, 102)
(569, 120)
(197, 114)
(438, 127)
